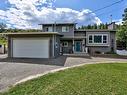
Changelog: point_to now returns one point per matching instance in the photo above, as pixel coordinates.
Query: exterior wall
(10, 47)
(88, 33)
(113, 41)
(110, 47)
(56, 50)
(58, 28)
(57, 46)
(112, 26)
(101, 49)
(80, 34)
(69, 48)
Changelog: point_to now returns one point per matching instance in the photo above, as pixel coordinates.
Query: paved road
(13, 70)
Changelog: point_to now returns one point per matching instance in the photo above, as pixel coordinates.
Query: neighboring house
(58, 38)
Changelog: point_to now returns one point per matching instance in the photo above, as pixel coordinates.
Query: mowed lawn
(96, 79)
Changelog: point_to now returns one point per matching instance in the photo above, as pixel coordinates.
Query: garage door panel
(31, 48)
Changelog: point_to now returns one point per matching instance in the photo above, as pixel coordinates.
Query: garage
(31, 48)
(33, 44)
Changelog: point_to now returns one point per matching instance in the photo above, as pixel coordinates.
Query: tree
(89, 27)
(2, 27)
(122, 31)
(95, 26)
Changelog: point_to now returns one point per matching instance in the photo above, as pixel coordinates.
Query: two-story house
(89, 40)
(58, 38)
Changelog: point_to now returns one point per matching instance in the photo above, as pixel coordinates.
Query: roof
(31, 33)
(95, 30)
(58, 23)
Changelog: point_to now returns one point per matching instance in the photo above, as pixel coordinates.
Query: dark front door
(78, 46)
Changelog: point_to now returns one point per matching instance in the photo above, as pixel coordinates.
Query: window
(90, 39)
(49, 29)
(65, 29)
(104, 39)
(98, 39)
(65, 44)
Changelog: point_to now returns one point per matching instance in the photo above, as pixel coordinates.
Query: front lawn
(96, 79)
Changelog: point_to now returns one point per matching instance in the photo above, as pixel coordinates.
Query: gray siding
(113, 41)
(111, 47)
(57, 46)
(87, 41)
(101, 49)
(80, 34)
(69, 48)
(58, 29)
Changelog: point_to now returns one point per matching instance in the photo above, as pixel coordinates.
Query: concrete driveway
(14, 70)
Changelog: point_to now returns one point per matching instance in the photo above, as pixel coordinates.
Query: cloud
(119, 21)
(29, 13)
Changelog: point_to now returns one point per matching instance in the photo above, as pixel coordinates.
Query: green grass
(96, 79)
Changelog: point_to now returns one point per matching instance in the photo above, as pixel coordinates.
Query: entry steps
(78, 54)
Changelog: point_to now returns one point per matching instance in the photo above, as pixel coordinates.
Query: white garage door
(31, 48)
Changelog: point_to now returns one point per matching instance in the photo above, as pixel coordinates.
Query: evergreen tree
(122, 31)
(2, 27)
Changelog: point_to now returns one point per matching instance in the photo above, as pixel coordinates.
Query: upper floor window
(65, 29)
(49, 29)
(98, 39)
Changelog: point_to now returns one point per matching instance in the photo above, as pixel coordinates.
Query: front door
(78, 46)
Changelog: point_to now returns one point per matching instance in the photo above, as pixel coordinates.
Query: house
(57, 38)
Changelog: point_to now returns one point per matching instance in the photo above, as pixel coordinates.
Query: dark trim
(58, 24)
(31, 33)
(94, 30)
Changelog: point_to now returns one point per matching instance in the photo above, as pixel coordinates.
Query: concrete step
(78, 54)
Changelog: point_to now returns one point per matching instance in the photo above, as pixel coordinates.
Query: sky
(27, 14)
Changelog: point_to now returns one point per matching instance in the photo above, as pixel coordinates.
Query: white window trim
(66, 44)
(97, 35)
(67, 27)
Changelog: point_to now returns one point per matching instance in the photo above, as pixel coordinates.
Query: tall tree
(95, 26)
(2, 27)
(122, 31)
